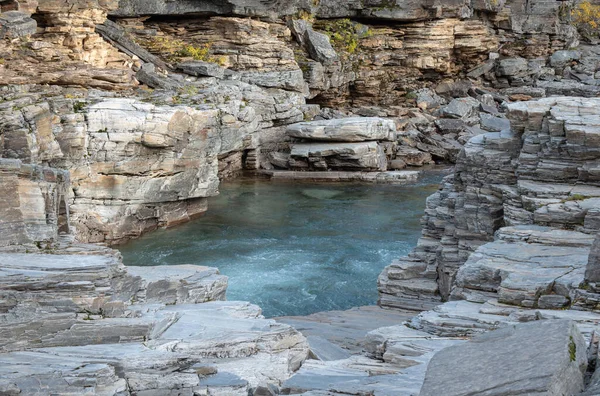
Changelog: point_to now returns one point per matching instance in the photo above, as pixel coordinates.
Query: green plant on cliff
(305, 15)
(175, 49)
(574, 197)
(586, 18)
(572, 349)
(78, 106)
(345, 35)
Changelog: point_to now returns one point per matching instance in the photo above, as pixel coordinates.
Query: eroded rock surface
(132, 332)
(521, 176)
(547, 357)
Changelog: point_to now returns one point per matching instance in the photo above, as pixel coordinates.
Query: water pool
(296, 249)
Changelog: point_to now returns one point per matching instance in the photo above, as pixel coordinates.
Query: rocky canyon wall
(149, 109)
(542, 171)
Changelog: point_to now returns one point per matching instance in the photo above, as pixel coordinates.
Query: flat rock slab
(466, 318)
(244, 348)
(542, 357)
(180, 284)
(345, 329)
(392, 177)
(401, 357)
(353, 129)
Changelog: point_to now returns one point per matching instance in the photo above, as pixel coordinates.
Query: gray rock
(179, 284)
(280, 160)
(354, 129)
(521, 271)
(449, 125)
(511, 66)
(461, 108)
(368, 176)
(298, 27)
(569, 88)
(482, 69)
(255, 8)
(454, 89)
(592, 272)
(562, 58)
(287, 79)
(516, 177)
(543, 357)
(342, 156)
(428, 99)
(319, 47)
(492, 123)
(202, 69)
(148, 75)
(14, 24)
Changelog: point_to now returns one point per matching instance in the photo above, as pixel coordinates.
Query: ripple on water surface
(296, 249)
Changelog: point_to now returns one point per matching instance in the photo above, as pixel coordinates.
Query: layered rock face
(250, 79)
(67, 51)
(111, 128)
(346, 144)
(34, 203)
(74, 320)
(540, 172)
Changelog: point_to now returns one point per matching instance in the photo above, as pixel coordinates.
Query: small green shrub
(574, 197)
(345, 35)
(586, 18)
(411, 95)
(78, 106)
(175, 49)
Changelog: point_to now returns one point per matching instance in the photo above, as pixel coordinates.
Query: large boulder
(364, 156)
(537, 358)
(354, 129)
(319, 47)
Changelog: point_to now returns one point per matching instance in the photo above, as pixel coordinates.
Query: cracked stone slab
(525, 267)
(543, 357)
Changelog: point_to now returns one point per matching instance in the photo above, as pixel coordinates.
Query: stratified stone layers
(542, 172)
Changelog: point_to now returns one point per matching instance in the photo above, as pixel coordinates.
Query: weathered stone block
(543, 357)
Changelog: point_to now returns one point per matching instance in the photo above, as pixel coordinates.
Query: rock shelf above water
(353, 129)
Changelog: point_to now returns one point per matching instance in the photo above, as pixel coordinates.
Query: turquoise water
(296, 249)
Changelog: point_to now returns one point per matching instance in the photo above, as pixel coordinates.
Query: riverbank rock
(180, 284)
(516, 177)
(546, 357)
(132, 332)
(527, 266)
